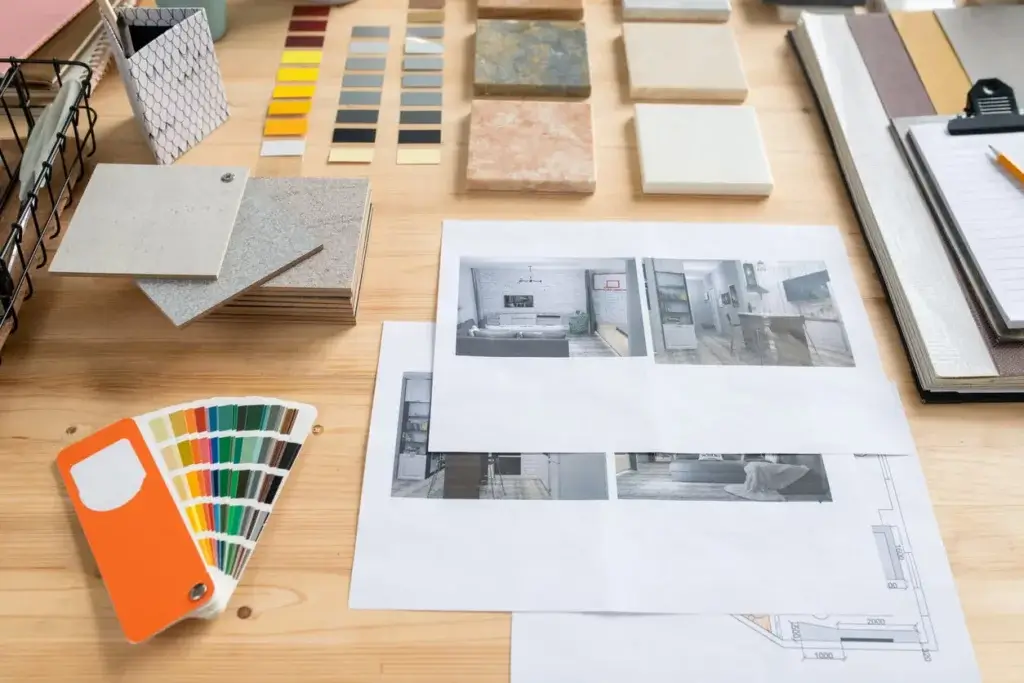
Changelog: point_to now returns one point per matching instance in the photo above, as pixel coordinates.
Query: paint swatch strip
(422, 99)
(287, 122)
(355, 125)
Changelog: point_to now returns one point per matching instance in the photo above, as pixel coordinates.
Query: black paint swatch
(355, 134)
(419, 137)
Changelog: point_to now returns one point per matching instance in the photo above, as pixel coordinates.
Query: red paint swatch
(311, 11)
(304, 41)
(298, 25)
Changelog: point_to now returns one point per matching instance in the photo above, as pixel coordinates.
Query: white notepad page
(986, 205)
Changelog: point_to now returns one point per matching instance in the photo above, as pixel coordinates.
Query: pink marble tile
(531, 147)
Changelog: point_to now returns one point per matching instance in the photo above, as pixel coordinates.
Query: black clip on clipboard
(991, 108)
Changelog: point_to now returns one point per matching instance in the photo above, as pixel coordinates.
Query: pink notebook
(26, 24)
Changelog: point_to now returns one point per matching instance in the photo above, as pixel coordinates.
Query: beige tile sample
(531, 146)
(529, 9)
(153, 221)
(674, 61)
(701, 149)
(418, 156)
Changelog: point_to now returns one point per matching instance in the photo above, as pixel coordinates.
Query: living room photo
(762, 477)
(549, 308)
(714, 312)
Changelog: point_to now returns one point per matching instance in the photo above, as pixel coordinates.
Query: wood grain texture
(91, 351)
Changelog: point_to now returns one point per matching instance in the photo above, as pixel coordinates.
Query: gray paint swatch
(368, 47)
(422, 46)
(357, 116)
(152, 221)
(359, 97)
(419, 117)
(370, 31)
(270, 235)
(421, 99)
(896, 80)
(425, 31)
(362, 80)
(422, 63)
(365, 64)
(421, 81)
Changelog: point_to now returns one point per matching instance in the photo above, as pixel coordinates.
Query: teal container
(216, 13)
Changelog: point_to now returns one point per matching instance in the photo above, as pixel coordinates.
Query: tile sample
(426, 4)
(701, 149)
(422, 81)
(365, 64)
(425, 31)
(553, 151)
(304, 41)
(419, 137)
(422, 46)
(421, 99)
(676, 10)
(311, 11)
(418, 157)
(268, 237)
(937, 65)
(289, 107)
(284, 127)
(895, 78)
(156, 221)
(343, 135)
(419, 116)
(529, 9)
(426, 16)
(299, 75)
(283, 148)
(370, 31)
(285, 92)
(307, 26)
(988, 42)
(368, 47)
(422, 64)
(362, 81)
(302, 57)
(350, 155)
(359, 97)
(683, 62)
(357, 116)
(531, 58)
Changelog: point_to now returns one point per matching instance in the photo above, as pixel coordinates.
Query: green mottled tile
(531, 58)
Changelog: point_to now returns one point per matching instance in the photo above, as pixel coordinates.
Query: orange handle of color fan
(151, 566)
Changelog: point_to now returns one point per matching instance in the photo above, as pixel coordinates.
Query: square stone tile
(531, 147)
(531, 59)
(701, 149)
(683, 62)
(529, 9)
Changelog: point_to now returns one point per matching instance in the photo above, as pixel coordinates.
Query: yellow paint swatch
(298, 75)
(418, 157)
(285, 127)
(350, 155)
(284, 92)
(426, 16)
(936, 63)
(289, 107)
(302, 57)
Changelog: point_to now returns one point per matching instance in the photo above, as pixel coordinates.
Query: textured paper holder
(174, 83)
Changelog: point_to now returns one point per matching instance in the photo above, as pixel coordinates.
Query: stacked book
(934, 207)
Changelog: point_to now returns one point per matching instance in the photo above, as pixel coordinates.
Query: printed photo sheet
(919, 636)
(597, 530)
(657, 337)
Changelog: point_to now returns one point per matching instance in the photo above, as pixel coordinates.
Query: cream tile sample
(553, 148)
(676, 10)
(350, 155)
(418, 156)
(683, 62)
(155, 221)
(701, 149)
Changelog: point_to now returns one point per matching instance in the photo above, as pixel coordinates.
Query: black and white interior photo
(549, 308)
(744, 313)
(722, 477)
(419, 473)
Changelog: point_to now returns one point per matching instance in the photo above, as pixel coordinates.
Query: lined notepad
(985, 204)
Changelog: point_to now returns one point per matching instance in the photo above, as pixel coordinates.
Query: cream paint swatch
(418, 157)
(350, 155)
(940, 71)
(683, 62)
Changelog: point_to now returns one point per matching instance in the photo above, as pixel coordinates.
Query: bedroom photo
(549, 308)
(762, 477)
(744, 313)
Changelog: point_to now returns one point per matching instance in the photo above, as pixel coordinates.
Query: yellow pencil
(1008, 165)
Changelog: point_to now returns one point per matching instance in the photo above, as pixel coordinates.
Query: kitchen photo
(761, 477)
(550, 308)
(712, 312)
(419, 473)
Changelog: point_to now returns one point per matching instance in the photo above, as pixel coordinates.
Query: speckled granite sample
(531, 58)
(529, 9)
(269, 236)
(531, 146)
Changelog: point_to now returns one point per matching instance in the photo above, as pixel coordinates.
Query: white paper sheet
(778, 303)
(920, 636)
(596, 531)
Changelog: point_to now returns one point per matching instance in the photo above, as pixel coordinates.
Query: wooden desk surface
(92, 351)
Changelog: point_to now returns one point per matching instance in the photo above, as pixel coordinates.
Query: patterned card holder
(173, 82)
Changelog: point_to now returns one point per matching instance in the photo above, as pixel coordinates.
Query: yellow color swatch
(286, 127)
(350, 155)
(285, 92)
(171, 457)
(936, 63)
(302, 57)
(426, 16)
(418, 157)
(289, 107)
(298, 75)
